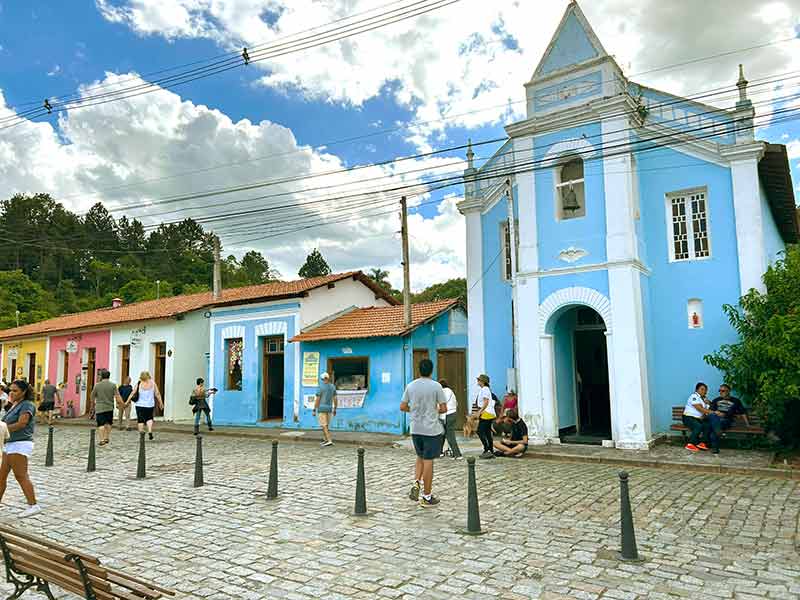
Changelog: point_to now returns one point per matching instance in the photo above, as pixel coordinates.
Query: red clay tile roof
(165, 308)
(375, 322)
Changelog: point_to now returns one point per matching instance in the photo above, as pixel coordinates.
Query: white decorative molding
(271, 328)
(571, 296)
(573, 146)
(232, 332)
(572, 254)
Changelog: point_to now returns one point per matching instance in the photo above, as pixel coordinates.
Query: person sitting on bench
(724, 409)
(694, 417)
(515, 443)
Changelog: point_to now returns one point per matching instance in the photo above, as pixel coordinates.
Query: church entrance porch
(581, 376)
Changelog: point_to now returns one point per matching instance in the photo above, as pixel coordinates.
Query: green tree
(315, 266)
(19, 293)
(257, 269)
(380, 277)
(452, 288)
(764, 366)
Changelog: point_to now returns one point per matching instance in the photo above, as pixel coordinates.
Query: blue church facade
(604, 238)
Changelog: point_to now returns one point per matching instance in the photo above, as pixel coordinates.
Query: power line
(181, 79)
(271, 182)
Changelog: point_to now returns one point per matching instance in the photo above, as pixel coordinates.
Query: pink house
(74, 361)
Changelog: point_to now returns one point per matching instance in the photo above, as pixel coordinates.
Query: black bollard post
(140, 469)
(90, 465)
(473, 511)
(48, 458)
(361, 488)
(272, 488)
(628, 535)
(198, 463)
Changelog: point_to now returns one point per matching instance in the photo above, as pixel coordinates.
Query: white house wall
(324, 302)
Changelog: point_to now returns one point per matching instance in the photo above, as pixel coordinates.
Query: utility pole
(217, 284)
(158, 289)
(406, 260)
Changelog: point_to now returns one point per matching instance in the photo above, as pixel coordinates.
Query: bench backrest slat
(64, 581)
(127, 580)
(54, 563)
(16, 533)
(755, 421)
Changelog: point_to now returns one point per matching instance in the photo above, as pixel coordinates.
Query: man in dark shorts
(104, 397)
(424, 400)
(515, 443)
(48, 404)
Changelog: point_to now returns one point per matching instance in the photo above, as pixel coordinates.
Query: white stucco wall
(190, 335)
(323, 302)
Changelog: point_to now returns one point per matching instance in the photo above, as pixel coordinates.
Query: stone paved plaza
(552, 527)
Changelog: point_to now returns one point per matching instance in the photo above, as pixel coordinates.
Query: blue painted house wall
(496, 299)
(393, 355)
(677, 350)
(243, 407)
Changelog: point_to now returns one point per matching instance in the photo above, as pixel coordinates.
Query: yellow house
(26, 359)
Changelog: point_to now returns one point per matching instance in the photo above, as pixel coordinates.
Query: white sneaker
(328, 443)
(31, 510)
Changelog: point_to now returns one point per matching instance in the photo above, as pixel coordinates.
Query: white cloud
(149, 137)
(54, 71)
(793, 149)
(475, 54)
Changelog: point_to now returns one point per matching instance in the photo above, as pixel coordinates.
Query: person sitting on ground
(694, 417)
(515, 442)
(724, 410)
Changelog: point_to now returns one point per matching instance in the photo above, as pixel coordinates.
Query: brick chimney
(116, 303)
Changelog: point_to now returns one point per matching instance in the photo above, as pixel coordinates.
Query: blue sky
(468, 60)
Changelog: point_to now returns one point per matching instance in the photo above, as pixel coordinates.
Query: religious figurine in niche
(696, 320)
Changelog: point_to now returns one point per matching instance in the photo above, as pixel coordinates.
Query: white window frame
(686, 194)
(504, 249)
(558, 184)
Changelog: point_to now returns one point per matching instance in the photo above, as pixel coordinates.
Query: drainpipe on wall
(512, 234)
(405, 415)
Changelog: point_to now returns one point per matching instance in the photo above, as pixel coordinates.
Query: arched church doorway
(581, 372)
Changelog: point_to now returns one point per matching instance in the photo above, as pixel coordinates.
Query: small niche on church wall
(694, 312)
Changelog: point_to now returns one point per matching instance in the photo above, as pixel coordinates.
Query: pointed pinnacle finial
(470, 154)
(742, 85)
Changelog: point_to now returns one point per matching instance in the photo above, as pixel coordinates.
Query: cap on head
(325, 376)
(483, 378)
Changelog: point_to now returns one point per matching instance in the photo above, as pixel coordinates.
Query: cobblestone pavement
(552, 527)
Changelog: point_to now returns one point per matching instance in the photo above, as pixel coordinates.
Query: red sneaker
(692, 448)
(702, 446)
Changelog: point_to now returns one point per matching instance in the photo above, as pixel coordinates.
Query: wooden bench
(739, 426)
(34, 562)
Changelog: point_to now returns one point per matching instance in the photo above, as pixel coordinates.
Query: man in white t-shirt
(486, 415)
(694, 417)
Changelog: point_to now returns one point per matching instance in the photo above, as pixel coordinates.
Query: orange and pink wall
(75, 346)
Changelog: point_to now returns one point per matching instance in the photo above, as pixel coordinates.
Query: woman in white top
(450, 419)
(145, 396)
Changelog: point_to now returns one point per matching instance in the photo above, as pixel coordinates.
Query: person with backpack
(199, 403)
(486, 402)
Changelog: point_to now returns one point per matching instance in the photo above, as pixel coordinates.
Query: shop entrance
(160, 374)
(272, 363)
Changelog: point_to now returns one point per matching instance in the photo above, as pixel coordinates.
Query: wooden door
(125, 366)
(65, 372)
(91, 357)
(32, 369)
(419, 355)
(452, 366)
(272, 380)
(160, 374)
(13, 370)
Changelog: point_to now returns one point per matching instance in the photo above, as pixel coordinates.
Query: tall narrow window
(570, 189)
(689, 230)
(233, 364)
(505, 237)
(63, 377)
